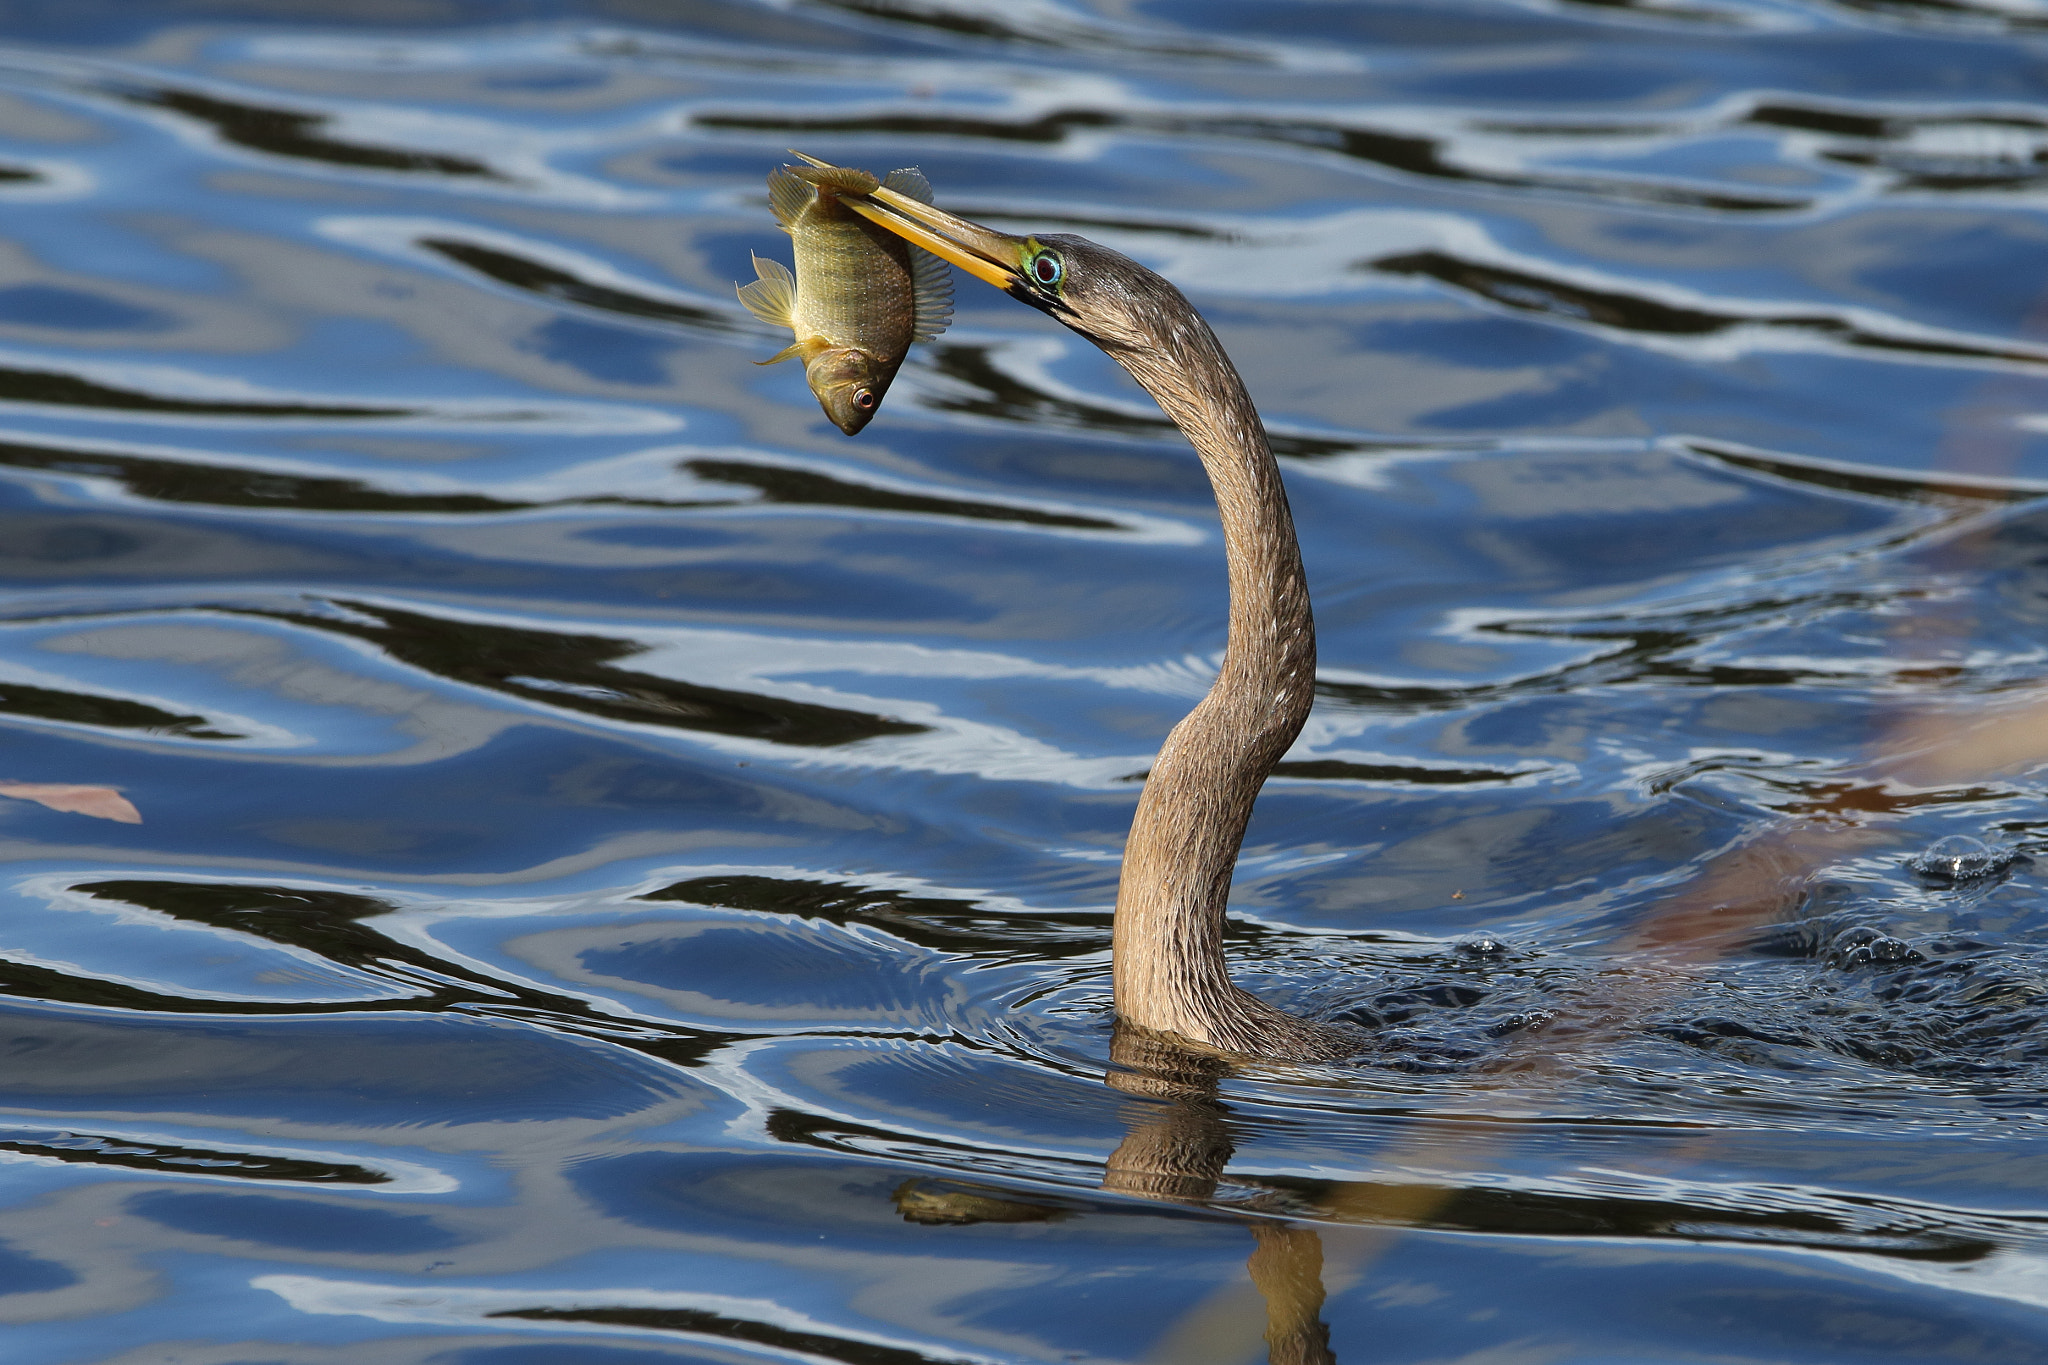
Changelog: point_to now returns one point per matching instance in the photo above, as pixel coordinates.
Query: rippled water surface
(524, 846)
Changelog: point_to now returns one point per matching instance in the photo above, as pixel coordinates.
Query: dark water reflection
(624, 872)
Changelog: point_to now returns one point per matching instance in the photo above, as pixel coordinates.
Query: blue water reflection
(624, 871)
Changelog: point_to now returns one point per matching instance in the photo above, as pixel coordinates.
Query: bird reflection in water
(1176, 1144)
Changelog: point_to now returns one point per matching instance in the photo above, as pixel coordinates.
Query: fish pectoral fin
(788, 195)
(931, 292)
(794, 351)
(931, 282)
(772, 298)
(909, 181)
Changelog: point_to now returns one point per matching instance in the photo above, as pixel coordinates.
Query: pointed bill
(981, 252)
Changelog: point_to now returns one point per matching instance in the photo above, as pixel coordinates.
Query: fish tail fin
(788, 194)
(772, 298)
(793, 351)
(837, 178)
(909, 182)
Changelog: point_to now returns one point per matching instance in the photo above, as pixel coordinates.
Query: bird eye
(863, 399)
(1047, 268)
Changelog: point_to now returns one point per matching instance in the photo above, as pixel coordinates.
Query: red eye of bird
(1047, 269)
(863, 400)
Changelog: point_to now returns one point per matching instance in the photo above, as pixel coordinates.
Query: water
(614, 872)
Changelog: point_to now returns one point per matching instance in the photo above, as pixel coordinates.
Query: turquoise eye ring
(1047, 269)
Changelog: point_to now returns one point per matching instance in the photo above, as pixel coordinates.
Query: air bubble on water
(1960, 858)
(1864, 946)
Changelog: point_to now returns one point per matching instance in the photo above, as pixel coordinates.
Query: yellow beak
(979, 251)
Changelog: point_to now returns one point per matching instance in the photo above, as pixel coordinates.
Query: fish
(860, 295)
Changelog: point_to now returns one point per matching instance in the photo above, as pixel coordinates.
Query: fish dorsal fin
(930, 281)
(772, 298)
(909, 182)
(788, 195)
(837, 178)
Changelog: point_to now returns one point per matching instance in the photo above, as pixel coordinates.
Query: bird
(1170, 975)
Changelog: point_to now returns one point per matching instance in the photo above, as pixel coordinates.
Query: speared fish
(860, 294)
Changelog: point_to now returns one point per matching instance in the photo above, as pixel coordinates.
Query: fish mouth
(982, 252)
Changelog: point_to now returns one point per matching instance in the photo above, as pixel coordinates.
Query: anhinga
(1168, 950)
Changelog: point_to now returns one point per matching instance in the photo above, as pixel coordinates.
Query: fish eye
(1047, 269)
(864, 399)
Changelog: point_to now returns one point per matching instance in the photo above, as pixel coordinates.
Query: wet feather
(860, 295)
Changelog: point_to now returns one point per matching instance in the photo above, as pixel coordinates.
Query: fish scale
(856, 278)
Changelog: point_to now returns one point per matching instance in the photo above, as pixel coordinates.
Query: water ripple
(623, 872)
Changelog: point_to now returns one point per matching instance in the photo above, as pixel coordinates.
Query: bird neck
(1168, 953)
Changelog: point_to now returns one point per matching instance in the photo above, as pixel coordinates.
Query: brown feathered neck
(1170, 972)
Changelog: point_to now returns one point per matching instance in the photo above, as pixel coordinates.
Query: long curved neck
(1169, 967)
